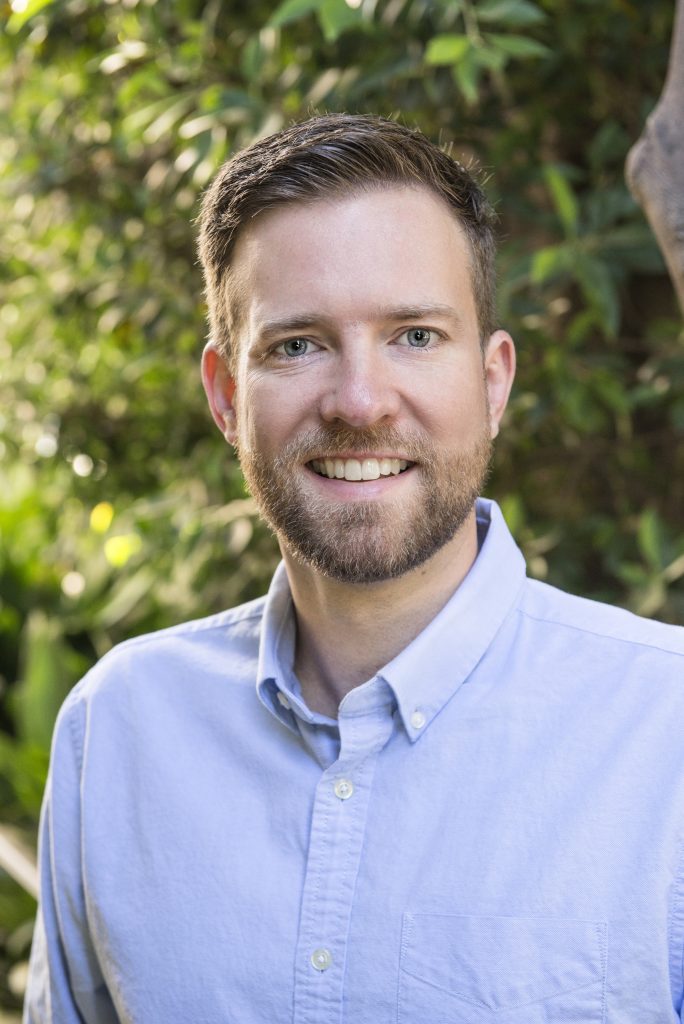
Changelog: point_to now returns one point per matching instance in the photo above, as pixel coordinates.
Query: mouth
(359, 469)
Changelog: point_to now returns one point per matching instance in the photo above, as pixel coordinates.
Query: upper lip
(360, 456)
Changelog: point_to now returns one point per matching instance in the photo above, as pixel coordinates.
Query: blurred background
(121, 508)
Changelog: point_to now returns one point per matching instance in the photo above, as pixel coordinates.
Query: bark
(655, 164)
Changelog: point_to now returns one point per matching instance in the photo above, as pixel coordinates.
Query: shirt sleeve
(65, 983)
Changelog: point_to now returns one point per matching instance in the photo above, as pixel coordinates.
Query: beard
(367, 541)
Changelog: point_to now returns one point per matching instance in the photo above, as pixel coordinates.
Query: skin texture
(353, 278)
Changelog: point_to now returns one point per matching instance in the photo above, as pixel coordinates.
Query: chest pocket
(508, 970)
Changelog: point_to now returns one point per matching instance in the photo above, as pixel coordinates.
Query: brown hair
(327, 156)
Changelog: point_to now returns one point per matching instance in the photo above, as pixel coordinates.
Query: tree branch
(655, 164)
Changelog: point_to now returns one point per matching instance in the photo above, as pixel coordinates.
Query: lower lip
(358, 490)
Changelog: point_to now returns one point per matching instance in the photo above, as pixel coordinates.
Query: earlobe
(499, 363)
(219, 386)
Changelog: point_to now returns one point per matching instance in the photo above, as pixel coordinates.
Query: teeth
(355, 469)
(370, 469)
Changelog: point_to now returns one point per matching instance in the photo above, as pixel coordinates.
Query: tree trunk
(655, 164)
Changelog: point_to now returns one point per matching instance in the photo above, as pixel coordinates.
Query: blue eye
(418, 337)
(294, 347)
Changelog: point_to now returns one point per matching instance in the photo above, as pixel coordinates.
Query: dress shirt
(491, 831)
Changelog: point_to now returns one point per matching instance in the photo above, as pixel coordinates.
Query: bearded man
(409, 784)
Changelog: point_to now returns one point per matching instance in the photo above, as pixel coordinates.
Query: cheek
(455, 406)
(271, 413)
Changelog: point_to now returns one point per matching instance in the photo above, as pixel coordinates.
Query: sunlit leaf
(337, 16)
(101, 517)
(293, 10)
(563, 198)
(549, 261)
(119, 549)
(447, 49)
(21, 14)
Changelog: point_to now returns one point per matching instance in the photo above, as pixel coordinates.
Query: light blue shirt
(492, 832)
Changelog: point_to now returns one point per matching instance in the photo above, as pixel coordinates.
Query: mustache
(332, 441)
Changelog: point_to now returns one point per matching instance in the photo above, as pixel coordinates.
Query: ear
(499, 365)
(219, 385)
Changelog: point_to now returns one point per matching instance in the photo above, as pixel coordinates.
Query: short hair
(328, 156)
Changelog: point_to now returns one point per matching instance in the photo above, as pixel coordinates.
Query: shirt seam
(676, 930)
(77, 738)
(190, 628)
(603, 635)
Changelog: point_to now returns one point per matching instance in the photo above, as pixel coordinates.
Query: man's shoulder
(225, 644)
(595, 623)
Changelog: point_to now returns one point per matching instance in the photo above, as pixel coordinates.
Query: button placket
(338, 827)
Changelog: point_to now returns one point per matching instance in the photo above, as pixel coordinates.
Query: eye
(294, 347)
(418, 337)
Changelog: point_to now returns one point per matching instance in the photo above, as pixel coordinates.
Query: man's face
(360, 402)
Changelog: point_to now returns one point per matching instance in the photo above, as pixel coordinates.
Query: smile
(358, 469)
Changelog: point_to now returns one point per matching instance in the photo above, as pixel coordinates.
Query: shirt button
(344, 789)
(282, 699)
(321, 959)
(418, 719)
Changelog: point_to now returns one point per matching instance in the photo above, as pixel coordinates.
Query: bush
(121, 509)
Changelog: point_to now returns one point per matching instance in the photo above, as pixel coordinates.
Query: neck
(346, 632)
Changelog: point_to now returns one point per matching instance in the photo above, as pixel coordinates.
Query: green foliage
(121, 509)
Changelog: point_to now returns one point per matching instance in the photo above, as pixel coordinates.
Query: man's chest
(483, 876)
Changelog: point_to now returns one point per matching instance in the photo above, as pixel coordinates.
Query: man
(409, 784)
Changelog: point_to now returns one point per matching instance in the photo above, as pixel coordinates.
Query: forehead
(351, 256)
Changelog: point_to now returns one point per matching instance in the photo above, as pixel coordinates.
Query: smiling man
(408, 785)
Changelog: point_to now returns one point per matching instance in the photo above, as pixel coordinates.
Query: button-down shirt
(491, 831)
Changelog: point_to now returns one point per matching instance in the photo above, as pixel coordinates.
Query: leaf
(447, 49)
(599, 290)
(550, 261)
(518, 46)
(169, 117)
(563, 198)
(467, 76)
(118, 550)
(18, 18)
(101, 517)
(513, 512)
(126, 597)
(516, 13)
(50, 667)
(292, 10)
(336, 17)
(491, 58)
(650, 538)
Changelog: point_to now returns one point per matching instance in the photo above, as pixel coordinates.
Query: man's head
(331, 157)
(349, 363)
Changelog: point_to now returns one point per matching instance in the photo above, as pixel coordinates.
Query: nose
(361, 390)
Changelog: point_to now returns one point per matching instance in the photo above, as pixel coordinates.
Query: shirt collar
(277, 685)
(427, 673)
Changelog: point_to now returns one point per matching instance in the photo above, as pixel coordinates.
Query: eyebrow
(392, 314)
